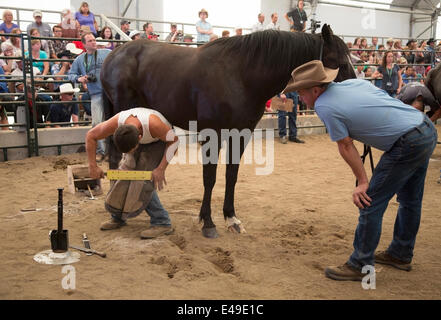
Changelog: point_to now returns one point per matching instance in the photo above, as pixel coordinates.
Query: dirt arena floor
(299, 220)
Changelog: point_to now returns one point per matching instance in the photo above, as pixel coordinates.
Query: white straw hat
(67, 88)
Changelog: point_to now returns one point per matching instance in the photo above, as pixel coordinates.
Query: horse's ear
(327, 33)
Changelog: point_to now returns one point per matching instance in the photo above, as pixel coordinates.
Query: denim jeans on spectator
(86, 105)
(292, 116)
(158, 215)
(402, 171)
(98, 117)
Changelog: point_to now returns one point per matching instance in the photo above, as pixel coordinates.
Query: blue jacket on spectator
(78, 69)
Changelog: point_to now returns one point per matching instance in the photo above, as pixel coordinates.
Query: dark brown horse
(221, 85)
(433, 82)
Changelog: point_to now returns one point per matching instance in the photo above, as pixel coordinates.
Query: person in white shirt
(273, 25)
(259, 25)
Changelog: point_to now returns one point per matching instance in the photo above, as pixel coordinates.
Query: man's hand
(283, 96)
(95, 172)
(83, 79)
(360, 197)
(158, 176)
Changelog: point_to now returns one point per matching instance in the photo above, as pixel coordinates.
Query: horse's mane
(276, 49)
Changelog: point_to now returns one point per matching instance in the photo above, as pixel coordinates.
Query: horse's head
(336, 55)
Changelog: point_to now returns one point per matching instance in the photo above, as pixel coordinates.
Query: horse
(433, 82)
(223, 84)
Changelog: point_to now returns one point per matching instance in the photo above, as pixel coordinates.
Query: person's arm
(95, 25)
(400, 80)
(101, 131)
(75, 120)
(160, 130)
(46, 68)
(2, 38)
(349, 153)
(290, 21)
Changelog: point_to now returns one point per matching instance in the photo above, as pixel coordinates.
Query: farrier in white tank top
(143, 115)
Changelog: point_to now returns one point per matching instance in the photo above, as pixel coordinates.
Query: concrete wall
(46, 137)
(55, 136)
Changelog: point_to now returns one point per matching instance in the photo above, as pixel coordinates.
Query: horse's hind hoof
(210, 233)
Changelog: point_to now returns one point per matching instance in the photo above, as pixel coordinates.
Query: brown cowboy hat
(309, 75)
(203, 10)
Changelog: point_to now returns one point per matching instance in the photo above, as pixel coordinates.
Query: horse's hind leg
(233, 163)
(209, 174)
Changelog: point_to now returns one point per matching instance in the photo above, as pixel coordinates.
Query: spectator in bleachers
(56, 46)
(148, 30)
(37, 53)
(84, 17)
(125, 27)
(410, 75)
(364, 57)
(273, 25)
(411, 45)
(356, 45)
(259, 25)
(7, 26)
(375, 43)
(135, 35)
(430, 56)
(62, 67)
(15, 42)
(44, 43)
(389, 44)
(41, 109)
(203, 27)
(359, 70)
(225, 34)
(86, 69)
(238, 31)
(17, 74)
(68, 25)
(43, 28)
(79, 44)
(368, 74)
(391, 74)
(188, 38)
(397, 46)
(420, 69)
(63, 112)
(106, 34)
(7, 65)
(213, 37)
(363, 44)
(349, 45)
(175, 35)
(380, 53)
(297, 17)
(3, 89)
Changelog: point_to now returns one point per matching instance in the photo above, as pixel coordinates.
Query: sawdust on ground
(299, 220)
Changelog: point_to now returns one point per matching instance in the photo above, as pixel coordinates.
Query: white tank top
(143, 115)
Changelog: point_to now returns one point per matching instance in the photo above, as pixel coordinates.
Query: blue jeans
(158, 215)
(292, 117)
(97, 109)
(402, 171)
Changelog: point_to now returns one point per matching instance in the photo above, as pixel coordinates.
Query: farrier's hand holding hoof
(360, 197)
(95, 172)
(158, 176)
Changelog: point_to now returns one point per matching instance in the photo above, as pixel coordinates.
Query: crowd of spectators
(388, 66)
(393, 65)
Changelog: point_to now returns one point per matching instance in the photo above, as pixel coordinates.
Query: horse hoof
(210, 233)
(237, 228)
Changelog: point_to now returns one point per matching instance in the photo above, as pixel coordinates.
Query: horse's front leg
(233, 157)
(209, 175)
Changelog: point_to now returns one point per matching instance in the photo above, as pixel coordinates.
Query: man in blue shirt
(356, 110)
(86, 69)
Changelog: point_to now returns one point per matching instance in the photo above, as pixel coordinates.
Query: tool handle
(60, 210)
(101, 254)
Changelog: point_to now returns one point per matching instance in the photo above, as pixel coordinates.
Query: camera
(315, 24)
(91, 78)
